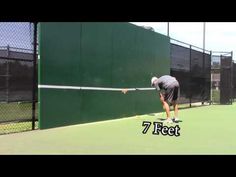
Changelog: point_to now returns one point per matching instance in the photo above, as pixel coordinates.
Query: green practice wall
(115, 55)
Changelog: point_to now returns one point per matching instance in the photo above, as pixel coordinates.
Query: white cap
(153, 80)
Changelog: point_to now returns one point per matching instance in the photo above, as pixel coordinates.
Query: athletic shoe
(176, 119)
(168, 121)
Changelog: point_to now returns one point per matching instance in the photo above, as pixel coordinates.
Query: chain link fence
(192, 68)
(18, 79)
(234, 80)
(204, 76)
(222, 78)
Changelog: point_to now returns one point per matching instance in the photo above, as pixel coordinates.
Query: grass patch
(12, 115)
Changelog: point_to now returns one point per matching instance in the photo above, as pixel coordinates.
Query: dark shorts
(172, 94)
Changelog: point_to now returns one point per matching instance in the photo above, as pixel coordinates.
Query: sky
(19, 35)
(219, 36)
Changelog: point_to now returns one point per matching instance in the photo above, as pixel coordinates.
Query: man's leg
(175, 105)
(165, 106)
(176, 94)
(167, 109)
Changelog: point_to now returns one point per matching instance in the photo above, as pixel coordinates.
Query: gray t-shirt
(165, 82)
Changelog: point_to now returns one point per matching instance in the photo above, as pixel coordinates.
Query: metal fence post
(190, 63)
(211, 100)
(204, 75)
(7, 74)
(220, 87)
(231, 79)
(34, 76)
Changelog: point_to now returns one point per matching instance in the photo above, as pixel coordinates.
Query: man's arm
(124, 91)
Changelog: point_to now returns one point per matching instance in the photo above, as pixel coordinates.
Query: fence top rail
(16, 59)
(16, 48)
(172, 39)
(221, 52)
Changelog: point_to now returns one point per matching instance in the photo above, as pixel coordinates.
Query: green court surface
(203, 130)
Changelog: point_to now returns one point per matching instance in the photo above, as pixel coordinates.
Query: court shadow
(151, 114)
(161, 119)
(178, 121)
